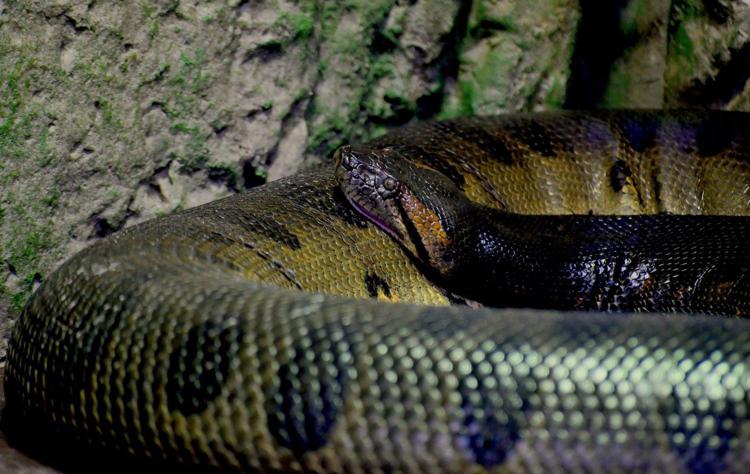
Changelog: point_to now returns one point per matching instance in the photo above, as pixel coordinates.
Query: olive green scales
(186, 339)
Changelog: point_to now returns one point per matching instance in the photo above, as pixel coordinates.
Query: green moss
(224, 172)
(382, 67)
(189, 82)
(160, 73)
(105, 107)
(618, 89)
(682, 45)
(52, 198)
(634, 16)
(329, 135)
(11, 92)
(24, 255)
(556, 94)
(301, 94)
(261, 173)
(349, 59)
(45, 157)
(467, 96)
(482, 18)
(195, 154)
(302, 25)
(153, 30)
(149, 9)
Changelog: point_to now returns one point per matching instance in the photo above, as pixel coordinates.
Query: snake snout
(343, 158)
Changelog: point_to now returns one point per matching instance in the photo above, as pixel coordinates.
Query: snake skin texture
(256, 333)
(651, 263)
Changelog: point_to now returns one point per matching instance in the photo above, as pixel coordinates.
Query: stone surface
(514, 56)
(708, 61)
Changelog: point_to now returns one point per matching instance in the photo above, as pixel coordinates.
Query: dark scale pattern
(310, 395)
(538, 139)
(618, 175)
(330, 203)
(267, 225)
(715, 134)
(640, 135)
(374, 282)
(201, 361)
(484, 141)
(154, 344)
(704, 454)
(491, 425)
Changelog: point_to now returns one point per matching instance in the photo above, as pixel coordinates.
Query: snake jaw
(372, 192)
(376, 183)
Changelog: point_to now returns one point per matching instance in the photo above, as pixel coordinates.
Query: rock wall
(112, 113)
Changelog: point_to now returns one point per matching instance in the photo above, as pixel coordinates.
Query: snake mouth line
(375, 219)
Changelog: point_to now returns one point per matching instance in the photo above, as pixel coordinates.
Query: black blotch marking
(435, 158)
(699, 457)
(373, 282)
(618, 175)
(199, 366)
(275, 230)
(491, 423)
(422, 254)
(656, 184)
(302, 413)
(640, 134)
(263, 224)
(489, 144)
(714, 135)
(537, 138)
(490, 426)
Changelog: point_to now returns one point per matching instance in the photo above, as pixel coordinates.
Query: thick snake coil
(187, 340)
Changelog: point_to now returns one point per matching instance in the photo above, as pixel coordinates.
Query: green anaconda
(655, 263)
(240, 335)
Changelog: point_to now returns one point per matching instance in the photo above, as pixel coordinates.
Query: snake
(654, 263)
(282, 330)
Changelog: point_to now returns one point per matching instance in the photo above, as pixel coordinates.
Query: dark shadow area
(448, 63)
(728, 83)
(26, 447)
(599, 42)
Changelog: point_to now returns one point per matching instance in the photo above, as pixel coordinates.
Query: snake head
(417, 205)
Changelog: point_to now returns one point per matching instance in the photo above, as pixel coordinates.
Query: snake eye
(389, 184)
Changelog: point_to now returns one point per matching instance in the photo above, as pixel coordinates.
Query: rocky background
(112, 113)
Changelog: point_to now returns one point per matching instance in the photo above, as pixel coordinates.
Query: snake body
(238, 335)
(667, 262)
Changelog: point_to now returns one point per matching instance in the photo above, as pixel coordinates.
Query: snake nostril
(347, 162)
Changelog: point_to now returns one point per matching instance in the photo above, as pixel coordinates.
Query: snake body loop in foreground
(245, 334)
